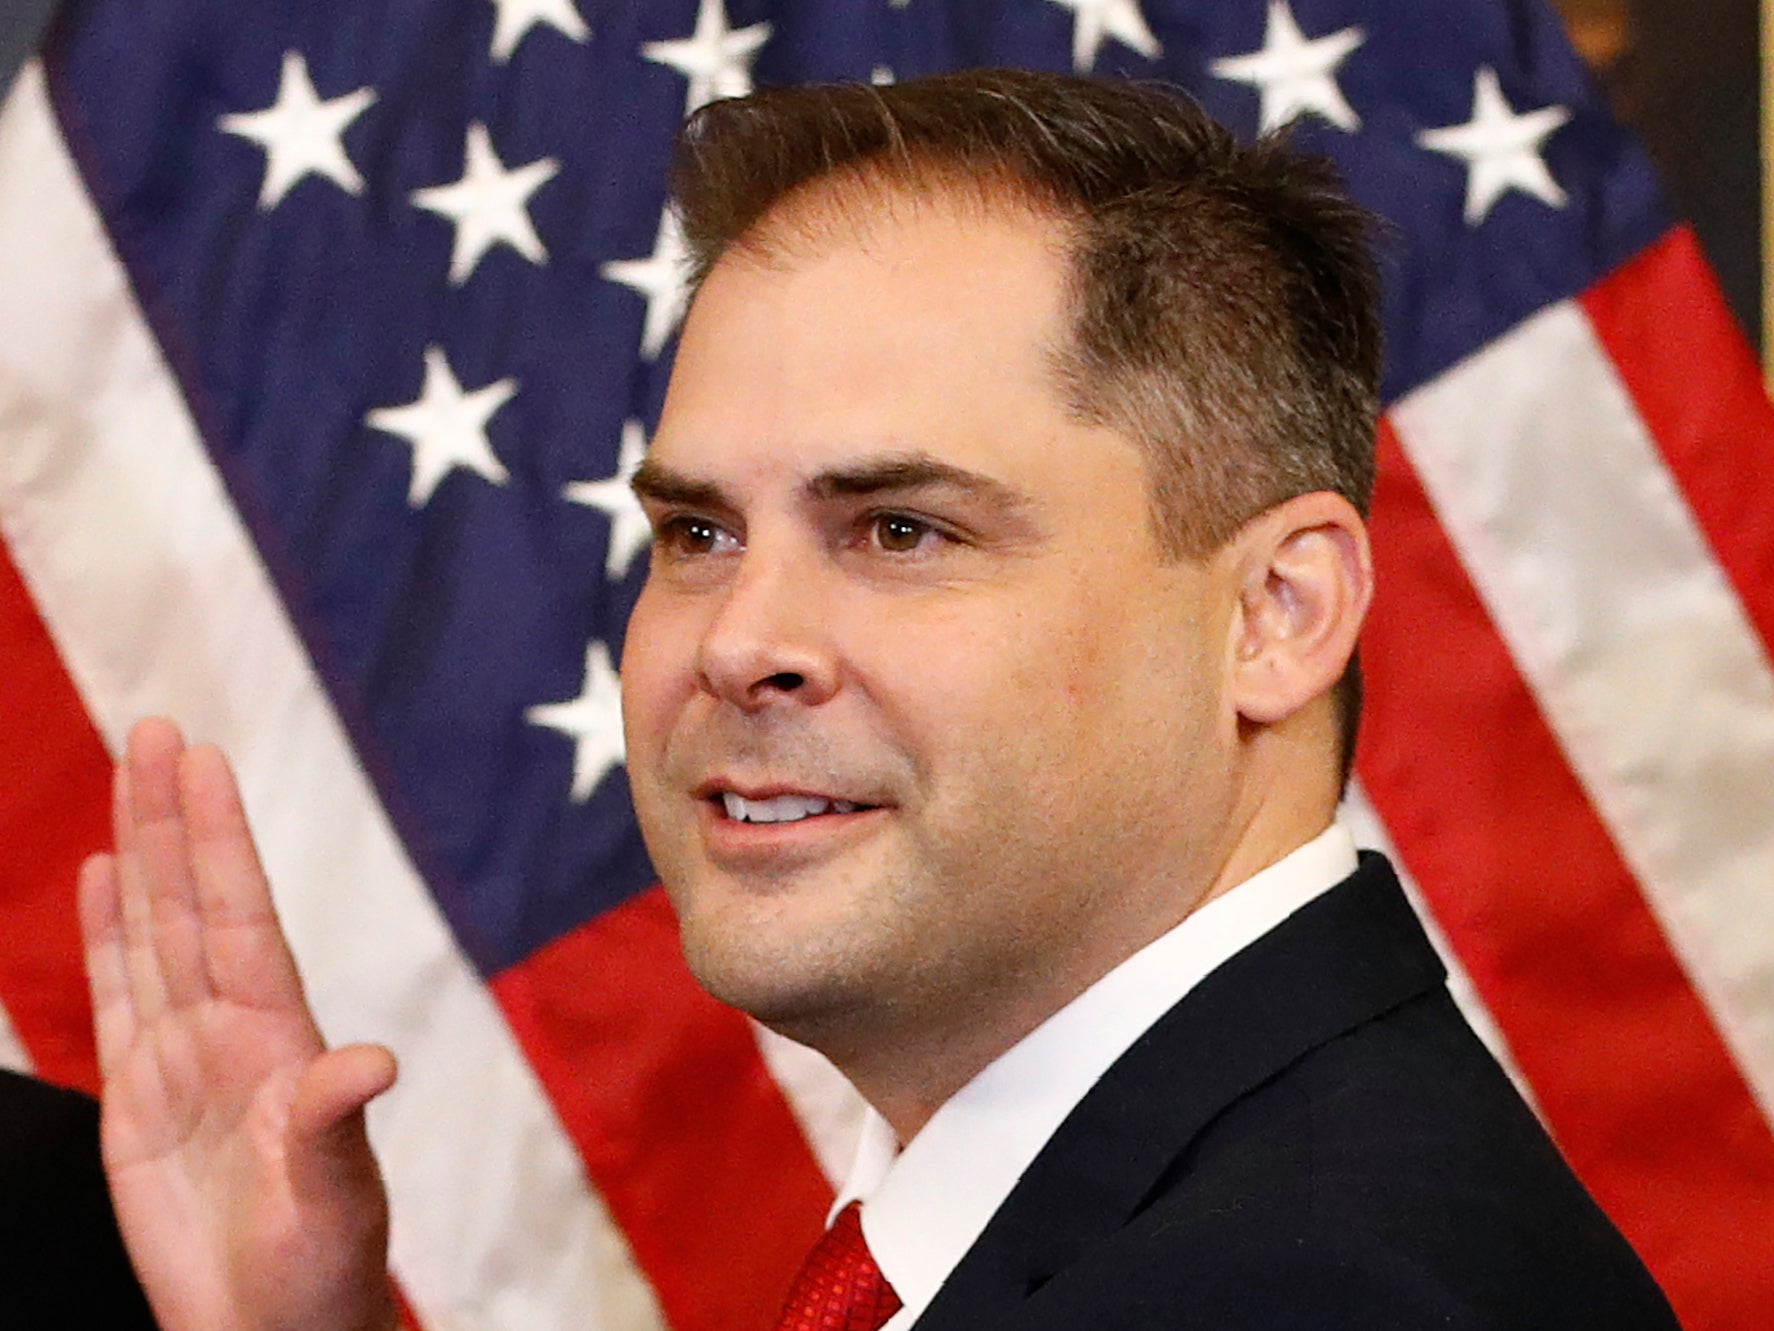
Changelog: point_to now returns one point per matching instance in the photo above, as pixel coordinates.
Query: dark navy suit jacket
(62, 1265)
(1312, 1139)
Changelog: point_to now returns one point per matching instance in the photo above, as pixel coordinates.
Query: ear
(1306, 577)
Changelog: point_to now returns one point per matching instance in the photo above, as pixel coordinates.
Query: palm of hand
(233, 1139)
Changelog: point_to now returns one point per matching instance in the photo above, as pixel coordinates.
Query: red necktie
(840, 1288)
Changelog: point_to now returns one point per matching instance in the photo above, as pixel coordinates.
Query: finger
(101, 930)
(329, 1148)
(247, 956)
(135, 919)
(158, 865)
(337, 1085)
(333, 1177)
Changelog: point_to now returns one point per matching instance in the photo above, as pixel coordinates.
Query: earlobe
(1306, 579)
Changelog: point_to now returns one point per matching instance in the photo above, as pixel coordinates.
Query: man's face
(921, 728)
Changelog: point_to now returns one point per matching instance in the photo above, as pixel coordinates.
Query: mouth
(772, 827)
(731, 800)
(781, 808)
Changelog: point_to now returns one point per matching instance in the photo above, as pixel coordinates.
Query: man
(987, 708)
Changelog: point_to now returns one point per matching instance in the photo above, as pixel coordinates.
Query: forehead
(975, 261)
(918, 323)
(863, 202)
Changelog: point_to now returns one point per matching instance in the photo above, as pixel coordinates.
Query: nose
(770, 642)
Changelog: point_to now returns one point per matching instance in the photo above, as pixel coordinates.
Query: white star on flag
(301, 134)
(446, 427)
(662, 279)
(593, 721)
(488, 204)
(1096, 19)
(629, 529)
(1295, 75)
(1500, 148)
(517, 17)
(715, 58)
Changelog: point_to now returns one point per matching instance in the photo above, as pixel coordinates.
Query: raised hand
(233, 1139)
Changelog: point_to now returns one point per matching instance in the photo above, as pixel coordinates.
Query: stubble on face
(1035, 719)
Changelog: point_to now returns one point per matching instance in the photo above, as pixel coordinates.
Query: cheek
(657, 674)
(1118, 703)
(953, 690)
(1002, 712)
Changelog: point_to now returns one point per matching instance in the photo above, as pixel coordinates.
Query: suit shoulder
(1401, 1147)
(1268, 1269)
(1250, 1272)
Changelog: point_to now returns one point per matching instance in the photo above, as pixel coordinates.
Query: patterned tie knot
(840, 1288)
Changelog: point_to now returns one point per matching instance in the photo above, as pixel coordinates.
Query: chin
(743, 975)
(799, 991)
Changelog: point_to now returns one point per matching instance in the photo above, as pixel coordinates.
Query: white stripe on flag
(824, 1102)
(1650, 674)
(1363, 821)
(158, 603)
(13, 1053)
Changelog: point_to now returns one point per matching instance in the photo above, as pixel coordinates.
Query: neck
(908, 1074)
(907, 1064)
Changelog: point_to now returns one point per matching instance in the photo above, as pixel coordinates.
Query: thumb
(329, 1148)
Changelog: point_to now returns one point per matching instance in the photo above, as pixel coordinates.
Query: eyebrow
(914, 471)
(889, 473)
(658, 482)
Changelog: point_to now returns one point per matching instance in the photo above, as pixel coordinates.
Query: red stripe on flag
(687, 1137)
(54, 812)
(1623, 1057)
(1698, 388)
(409, 1320)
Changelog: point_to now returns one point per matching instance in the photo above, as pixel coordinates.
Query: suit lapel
(1343, 959)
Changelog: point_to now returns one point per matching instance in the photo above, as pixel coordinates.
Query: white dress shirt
(924, 1206)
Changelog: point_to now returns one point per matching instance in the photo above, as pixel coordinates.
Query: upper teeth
(783, 808)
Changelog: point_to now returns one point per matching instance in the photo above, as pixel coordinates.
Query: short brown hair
(1225, 298)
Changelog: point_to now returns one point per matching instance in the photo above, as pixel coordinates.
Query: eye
(898, 534)
(689, 535)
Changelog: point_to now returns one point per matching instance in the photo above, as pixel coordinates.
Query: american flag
(329, 333)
